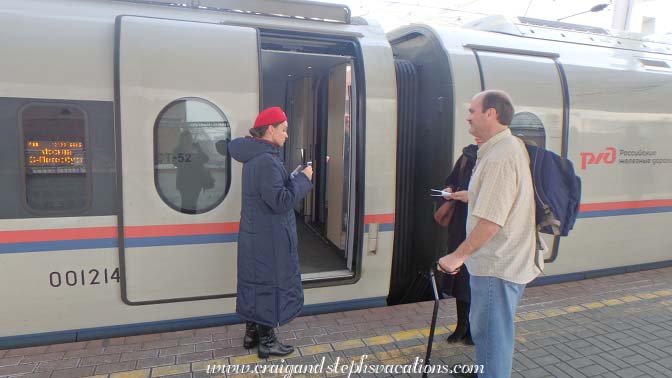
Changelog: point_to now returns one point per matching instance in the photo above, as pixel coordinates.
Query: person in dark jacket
(270, 293)
(458, 285)
(190, 161)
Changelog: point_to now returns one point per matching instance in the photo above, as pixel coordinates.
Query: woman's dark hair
(259, 132)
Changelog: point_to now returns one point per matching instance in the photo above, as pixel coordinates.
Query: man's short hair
(501, 102)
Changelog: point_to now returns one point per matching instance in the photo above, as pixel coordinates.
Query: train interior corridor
(311, 81)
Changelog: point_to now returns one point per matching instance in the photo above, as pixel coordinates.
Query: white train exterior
(594, 96)
(96, 96)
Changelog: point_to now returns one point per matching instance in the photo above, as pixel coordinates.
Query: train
(114, 112)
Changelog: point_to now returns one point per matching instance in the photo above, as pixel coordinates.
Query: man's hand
(481, 235)
(450, 264)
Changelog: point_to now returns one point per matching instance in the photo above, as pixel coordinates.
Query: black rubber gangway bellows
(407, 96)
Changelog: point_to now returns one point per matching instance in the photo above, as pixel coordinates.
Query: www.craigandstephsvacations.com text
(360, 366)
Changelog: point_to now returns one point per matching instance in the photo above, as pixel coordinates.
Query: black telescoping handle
(432, 327)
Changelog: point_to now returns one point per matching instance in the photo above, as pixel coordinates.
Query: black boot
(251, 335)
(462, 332)
(467, 338)
(269, 345)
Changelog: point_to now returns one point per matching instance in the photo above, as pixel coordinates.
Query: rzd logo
(589, 158)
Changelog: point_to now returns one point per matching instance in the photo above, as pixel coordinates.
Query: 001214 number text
(84, 277)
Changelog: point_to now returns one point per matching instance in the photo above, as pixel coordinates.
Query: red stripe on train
(378, 218)
(22, 236)
(57, 234)
(110, 232)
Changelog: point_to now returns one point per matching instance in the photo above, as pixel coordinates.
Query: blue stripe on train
(64, 245)
(181, 240)
(382, 227)
(58, 245)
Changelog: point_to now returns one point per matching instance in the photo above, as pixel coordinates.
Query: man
(500, 246)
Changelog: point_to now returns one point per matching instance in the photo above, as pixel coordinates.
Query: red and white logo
(607, 157)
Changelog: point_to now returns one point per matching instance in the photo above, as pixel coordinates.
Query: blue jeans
(493, 308)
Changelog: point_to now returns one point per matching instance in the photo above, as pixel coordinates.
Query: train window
(55, 163)
(529, 128)
(191, 160)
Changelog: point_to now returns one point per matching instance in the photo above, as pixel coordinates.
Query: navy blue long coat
(269, 279)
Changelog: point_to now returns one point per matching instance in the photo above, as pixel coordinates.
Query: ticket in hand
(440, 193)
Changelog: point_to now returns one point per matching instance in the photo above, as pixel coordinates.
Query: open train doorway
(313, 81)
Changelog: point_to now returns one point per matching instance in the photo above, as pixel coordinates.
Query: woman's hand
(462, 195)
(308, 171)
(448, 190)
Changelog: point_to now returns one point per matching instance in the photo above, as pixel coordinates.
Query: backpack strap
(550, 220)
(540, 251)
(533, 170)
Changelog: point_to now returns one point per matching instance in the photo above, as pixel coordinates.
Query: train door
(313, 80)
(535, 83)
(182, 89)
(298, 151)
(338, 146)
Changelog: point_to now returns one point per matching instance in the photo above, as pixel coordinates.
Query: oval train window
(529, 128)
(191, 162)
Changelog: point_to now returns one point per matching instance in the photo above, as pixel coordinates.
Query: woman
(458, 285)
(269, 281)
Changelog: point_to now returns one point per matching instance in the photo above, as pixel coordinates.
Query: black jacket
(458, 285)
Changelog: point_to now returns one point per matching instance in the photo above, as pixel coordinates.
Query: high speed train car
(121, 204)
(594, 96)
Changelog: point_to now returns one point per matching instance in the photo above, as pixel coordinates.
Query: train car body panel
(580, 100)
(179, 267)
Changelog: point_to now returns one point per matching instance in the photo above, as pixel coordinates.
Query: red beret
(270, 116)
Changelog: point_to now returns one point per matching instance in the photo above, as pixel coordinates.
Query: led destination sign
(54, 156)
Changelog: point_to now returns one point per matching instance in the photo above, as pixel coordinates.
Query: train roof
(298, 9)
(572, 33)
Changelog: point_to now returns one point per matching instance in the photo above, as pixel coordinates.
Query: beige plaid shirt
(501, 191)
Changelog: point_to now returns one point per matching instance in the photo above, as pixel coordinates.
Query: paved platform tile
(144, 373)
(203, 365)
(245, 360)
(377, 340)
(348, 344)
(630, 298)
(315, 349)
(407, 335)
(170, 370)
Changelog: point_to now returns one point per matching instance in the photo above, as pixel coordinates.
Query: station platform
(613, 326)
